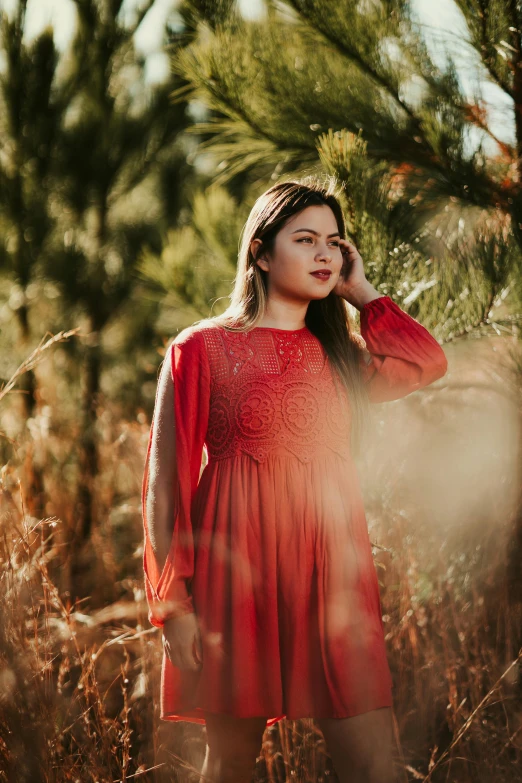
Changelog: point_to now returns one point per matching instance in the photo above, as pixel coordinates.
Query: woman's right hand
(182, 641)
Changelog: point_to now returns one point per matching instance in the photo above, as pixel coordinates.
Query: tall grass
(79, 663)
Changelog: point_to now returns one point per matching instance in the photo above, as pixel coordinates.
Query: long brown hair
(328, 319)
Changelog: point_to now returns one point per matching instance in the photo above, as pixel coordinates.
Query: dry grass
(79, 674)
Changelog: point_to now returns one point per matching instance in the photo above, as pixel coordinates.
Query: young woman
(259, 568)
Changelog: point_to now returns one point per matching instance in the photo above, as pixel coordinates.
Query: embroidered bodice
(273, 390)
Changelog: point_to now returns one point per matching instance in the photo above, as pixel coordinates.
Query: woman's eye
(334, 243)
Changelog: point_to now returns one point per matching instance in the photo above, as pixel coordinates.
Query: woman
(259, 569)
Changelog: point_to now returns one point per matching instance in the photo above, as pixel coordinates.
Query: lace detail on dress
(273, 390)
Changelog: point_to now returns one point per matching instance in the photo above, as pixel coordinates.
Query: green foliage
(30, 114)
(279, 82)
(197, 263)
(213, 12)
(351, 89)
(84, 142)
(111, 152)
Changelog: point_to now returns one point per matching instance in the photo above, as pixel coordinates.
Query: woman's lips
(323, 274)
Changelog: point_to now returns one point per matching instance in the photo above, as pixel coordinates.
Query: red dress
(271, 539)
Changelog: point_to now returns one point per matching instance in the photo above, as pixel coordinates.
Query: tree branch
(352, 54)
(484, 48)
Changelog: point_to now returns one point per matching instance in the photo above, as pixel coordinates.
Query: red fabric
(270, 543)
(166, 592)
(405, 356)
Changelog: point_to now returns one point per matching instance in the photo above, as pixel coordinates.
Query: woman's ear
(260, 259)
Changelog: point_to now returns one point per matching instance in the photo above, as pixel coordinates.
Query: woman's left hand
(352, 275)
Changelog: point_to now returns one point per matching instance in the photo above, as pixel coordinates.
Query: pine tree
(277, 88)
(91, 168)
(32, 109)
(118, 149)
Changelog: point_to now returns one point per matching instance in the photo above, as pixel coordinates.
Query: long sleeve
(401, 355)
(175, 449)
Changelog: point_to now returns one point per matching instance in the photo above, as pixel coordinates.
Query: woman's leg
(361, 747)
(233, 745)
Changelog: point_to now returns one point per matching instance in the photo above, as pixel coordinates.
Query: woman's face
(307, 243)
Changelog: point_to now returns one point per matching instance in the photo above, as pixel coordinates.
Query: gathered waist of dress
(262, 452)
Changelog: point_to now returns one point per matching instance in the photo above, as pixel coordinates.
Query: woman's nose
(324, 257)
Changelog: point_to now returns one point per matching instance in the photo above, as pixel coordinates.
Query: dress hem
(193, 718)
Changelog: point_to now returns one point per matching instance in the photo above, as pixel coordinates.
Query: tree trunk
(28, 381)
(88, 445)
(83, 576)
(34, 483)
(92, 372)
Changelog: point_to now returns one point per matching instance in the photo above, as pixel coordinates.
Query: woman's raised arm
(401, 355)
